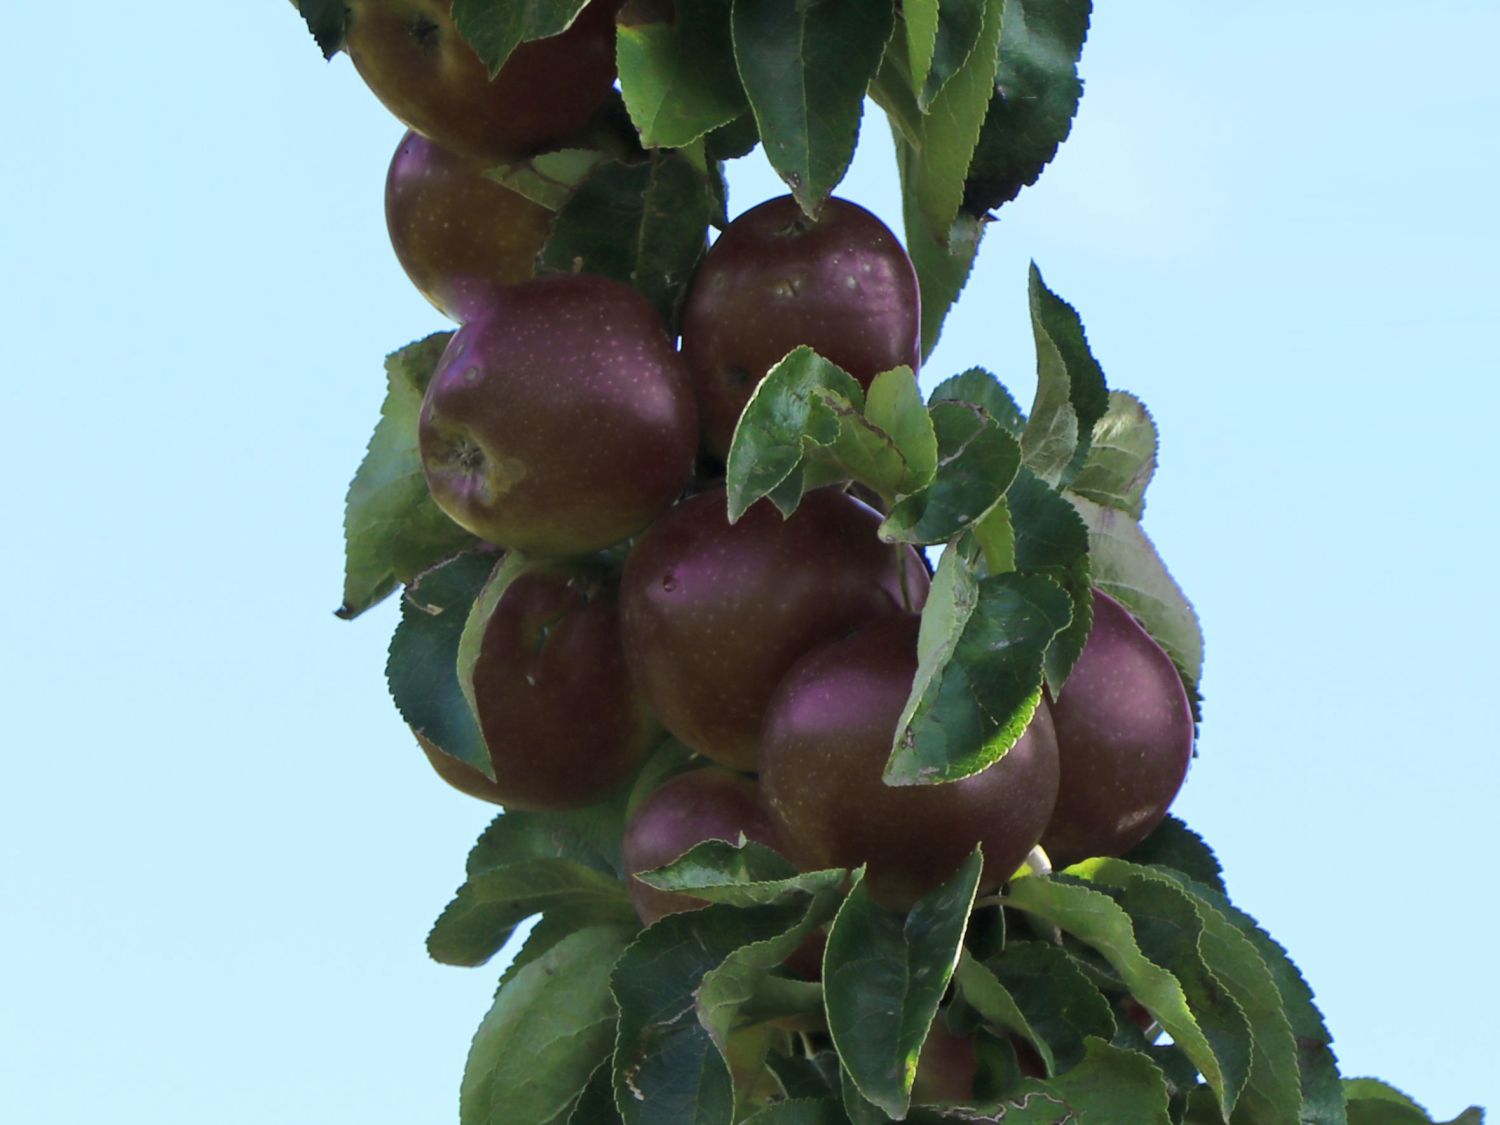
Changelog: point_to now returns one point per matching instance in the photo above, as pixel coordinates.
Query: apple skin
(714, 614)
(458, 234)
(563, 723)
(560, 421)
(827, 737)
(410, 54)
(1124, 740)
(704, 804)
(775, 280)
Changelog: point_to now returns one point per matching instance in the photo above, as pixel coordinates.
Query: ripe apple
(827, 736)
(562, 721)
(704, 804)
(409, 52)
(1124, 739)
(457, 233)
(561, 420)
(714, 614)
(776, 279)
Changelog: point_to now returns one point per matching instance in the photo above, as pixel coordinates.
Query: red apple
(561, 421)
(457, 233)
(1124, 740)
(715, 614)
(776, 279)
(827, 737)
(409, 52)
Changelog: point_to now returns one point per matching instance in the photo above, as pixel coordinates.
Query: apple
(563, 724)
(714, 614)
(776, 279)
(703, 804)
(410, 54)
(946, 1068)
(457, 233)
(1124, 739)
(827, 737)
(560, 421)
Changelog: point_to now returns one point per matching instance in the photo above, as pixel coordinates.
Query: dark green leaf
(978, 386)
(588, 836)
(805, 67)
(883, 977)
(1062, 1005)
(734, 140)
(746, 875)
(327, 20)
(979, 682)
(1071, 395)
(392, 529)
(977, 460)
(982, 990)
(1376, 1090)
(422, 667)
(550, 1026)
(643, 224)
(1373, 1102)
(495, 30)
(807, 1078)
(1125, 566)
(1112, 1085)
(596, 1105)
(858, 1110)
(960, 24)
(1173, 844)
(801, 1111)
(1121, 457)
(678, 75)
(1036, 95)
(1052, 539)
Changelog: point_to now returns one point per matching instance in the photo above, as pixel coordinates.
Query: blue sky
(221, 849)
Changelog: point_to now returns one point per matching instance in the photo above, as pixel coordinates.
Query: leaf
(1051, 539)
(495, 30)
(596, 1104)
(1376, 1090)
(745, 874)
(549, 1027)
(1071, 394)
(978, 386)
(884, 975)
(508, 568)
(1097, 920)
(392, 528)
(976, 692)
(1037, 89)
(678, 74)
(794, 408)
(800, 1111)
(982, 990)
(1373, 1102)
(422, 666)
(1125, 566)
(805, 68)
(1121, 457)
(919, 19)
(590, 836)
(641, 224)
(960, 26)
(977, 460)
(1113, 1085)
(1060, 1002)
(893, 405)
(327, 20)
(1174, 845)
(943, 258)
(548, 178)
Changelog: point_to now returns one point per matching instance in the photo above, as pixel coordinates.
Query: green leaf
(596, 1104)
(667, 1067)
(800, 1111)
(978, 386)
(943, 258)
(736, 139)
(678, 74)
(1376, 1090)
(495, 30)
(982, 990)
(1125, 566)
(1110, 1085)
(327, 20)
(510, 566)
(1174, 845)
(549, 178)
(392, 529)
(1121, 457)
(484, 913)
(795, 408)
(1097, 920)
(960, 26)
(1051, 539)
(893, 405)
(546, 1033)
(422, 666)
(977, 460)
(1036, 96)
(1071, 395)
(1060, 1002)
(919, 20)
(884, 975)
(589, 836)
(975, 693)
(995, 535)
(746, 874)
(805, 68)
(1373, 1102)
(1272, 1094)
(642, 224)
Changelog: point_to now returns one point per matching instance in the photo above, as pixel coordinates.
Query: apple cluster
(570, 426)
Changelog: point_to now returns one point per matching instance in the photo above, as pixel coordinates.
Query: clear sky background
(222, 850)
